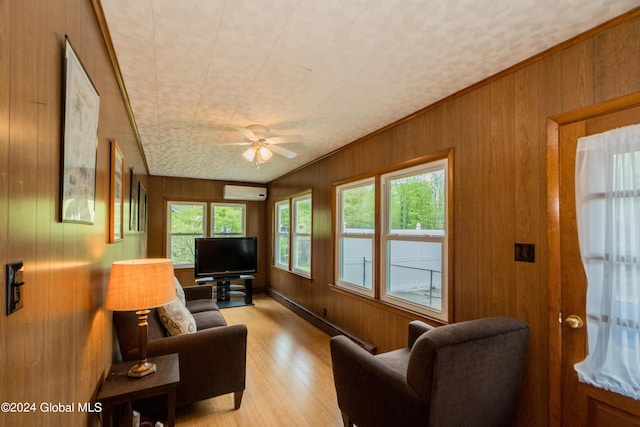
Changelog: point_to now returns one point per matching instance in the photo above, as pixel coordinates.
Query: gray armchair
(463, 374)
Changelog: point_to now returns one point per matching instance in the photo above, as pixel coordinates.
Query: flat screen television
(226, 256)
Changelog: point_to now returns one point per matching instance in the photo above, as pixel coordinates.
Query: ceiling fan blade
(282, 151)
(285, 139)
(236, 143)
(248, 133)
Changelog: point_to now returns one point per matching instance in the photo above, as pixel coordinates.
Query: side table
(118, 388)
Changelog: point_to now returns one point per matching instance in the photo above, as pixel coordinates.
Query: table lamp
(137, 285)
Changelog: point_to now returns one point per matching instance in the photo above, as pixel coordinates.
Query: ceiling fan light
(264, 153)
(250, 154)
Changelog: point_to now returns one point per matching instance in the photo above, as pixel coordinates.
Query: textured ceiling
(329, 70)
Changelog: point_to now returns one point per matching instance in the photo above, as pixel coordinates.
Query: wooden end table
(118, 388)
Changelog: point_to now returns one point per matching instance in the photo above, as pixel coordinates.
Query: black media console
(227, 287)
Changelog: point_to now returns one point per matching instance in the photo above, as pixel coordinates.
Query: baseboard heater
(318, 321)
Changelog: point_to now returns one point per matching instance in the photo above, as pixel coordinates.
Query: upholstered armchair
(462, 374)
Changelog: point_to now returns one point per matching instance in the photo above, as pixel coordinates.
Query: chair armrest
(212, 361)
(198, 292)
(370, 391)
(417, 328)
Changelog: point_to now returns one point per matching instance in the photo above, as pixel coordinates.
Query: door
(573, 403)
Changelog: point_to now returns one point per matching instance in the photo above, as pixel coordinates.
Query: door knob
(574, 321)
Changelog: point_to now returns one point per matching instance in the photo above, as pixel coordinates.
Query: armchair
(462, 374)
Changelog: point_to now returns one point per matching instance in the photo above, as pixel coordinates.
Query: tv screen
(226, 256)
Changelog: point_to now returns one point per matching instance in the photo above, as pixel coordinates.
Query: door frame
(554, 290)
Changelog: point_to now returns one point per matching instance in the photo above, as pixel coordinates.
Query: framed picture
(116, 206)
(142, 208)
(133, 201)
(80, 140)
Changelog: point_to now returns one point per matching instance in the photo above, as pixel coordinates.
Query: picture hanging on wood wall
(80, 141)
(133, 202)
(142, 208)
(116, 207)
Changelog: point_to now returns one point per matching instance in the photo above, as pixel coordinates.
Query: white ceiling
(329, 70)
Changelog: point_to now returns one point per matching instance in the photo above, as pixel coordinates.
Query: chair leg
(237, 399)
(346, 421)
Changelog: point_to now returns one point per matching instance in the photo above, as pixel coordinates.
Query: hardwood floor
(289, 374)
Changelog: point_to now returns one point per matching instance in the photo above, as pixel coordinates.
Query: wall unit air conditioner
(241, 192)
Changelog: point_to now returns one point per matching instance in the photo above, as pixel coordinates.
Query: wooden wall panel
(498, 131)
(59, 345)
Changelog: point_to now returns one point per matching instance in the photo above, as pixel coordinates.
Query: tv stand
(226, 288)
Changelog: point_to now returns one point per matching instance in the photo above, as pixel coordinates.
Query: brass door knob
(574, 321)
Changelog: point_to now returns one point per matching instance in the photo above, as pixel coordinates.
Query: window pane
(187, 218)
(282, 250)
(356, 261)
(281, 240)
(303, 216)
(227, 220)
(358, 210)
(414, 272)
(417, 204)
(302, 255)
(283, 218)
(183, 249)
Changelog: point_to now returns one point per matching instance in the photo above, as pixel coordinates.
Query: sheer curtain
(608, 213)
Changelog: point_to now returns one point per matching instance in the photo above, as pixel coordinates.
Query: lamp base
(142, 369)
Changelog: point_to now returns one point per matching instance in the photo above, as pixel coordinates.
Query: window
(281, 249)
(410, 241)
(186, 221)
(413, 240)
(302, 234)
(292, 237)
(227, 220)
(355, 235)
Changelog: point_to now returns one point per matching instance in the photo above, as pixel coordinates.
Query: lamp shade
(140, 284)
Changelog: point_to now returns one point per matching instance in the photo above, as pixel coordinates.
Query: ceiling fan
(261, 146)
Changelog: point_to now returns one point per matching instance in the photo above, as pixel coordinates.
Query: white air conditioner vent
(241, 192)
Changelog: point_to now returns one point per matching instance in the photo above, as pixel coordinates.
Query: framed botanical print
(80, 140)
(116, 205)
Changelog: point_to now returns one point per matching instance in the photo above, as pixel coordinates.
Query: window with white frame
(292, 237)
(301, 236)
(355, 205)
(227, 220)
(187, 221)
(281, 238)
(412, 238)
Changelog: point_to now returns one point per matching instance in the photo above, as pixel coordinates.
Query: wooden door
(573, 403)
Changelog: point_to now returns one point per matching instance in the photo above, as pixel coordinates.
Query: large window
(410, 239)
(355, 235)
(292, 237)
(187, 221)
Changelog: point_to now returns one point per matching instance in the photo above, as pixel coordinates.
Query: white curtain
(608, 213)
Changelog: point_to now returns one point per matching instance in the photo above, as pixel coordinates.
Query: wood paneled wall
(56, 348)
(163, 189)
(497, 130)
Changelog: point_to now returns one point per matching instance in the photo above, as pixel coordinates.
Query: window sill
(386, 306)
(293, 272)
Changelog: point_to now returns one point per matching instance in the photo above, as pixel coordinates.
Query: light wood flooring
(289, 374)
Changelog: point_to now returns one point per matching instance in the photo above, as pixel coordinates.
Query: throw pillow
(179, 291)
(176, 318)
